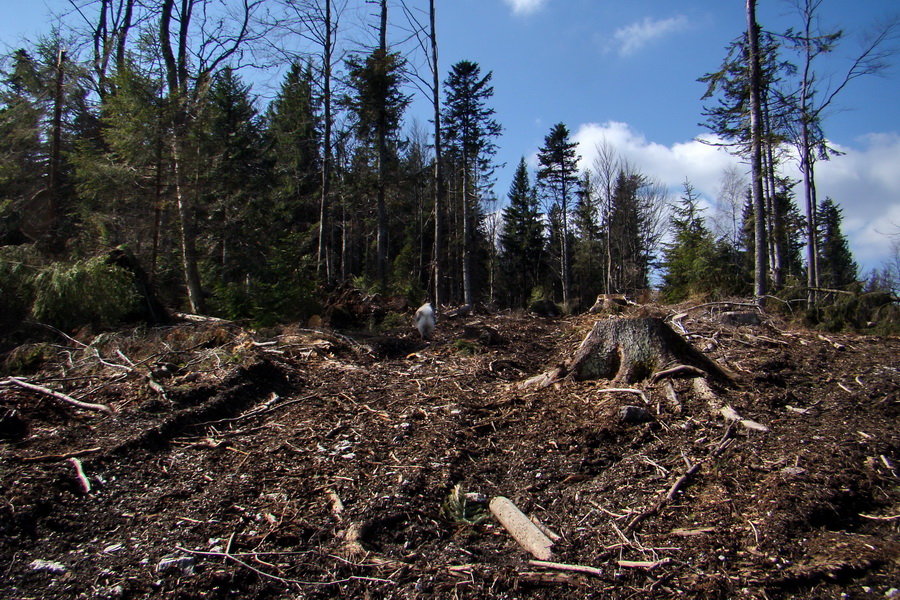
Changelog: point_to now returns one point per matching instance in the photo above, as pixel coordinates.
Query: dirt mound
(301, 463)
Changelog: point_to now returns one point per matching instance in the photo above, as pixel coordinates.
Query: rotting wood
(57, 395)
(554, 537)
(877, 518)
(337, 507)
(521, 528)
(672, 397)
(640, 393)
(682, 532)
(154, 385)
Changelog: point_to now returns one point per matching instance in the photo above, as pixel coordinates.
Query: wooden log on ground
(521, 528)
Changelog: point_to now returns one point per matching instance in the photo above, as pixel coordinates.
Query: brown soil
(297, 463)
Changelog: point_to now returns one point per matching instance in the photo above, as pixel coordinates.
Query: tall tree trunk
(778, 233)
(55, 158)
(439, 186)
(467, 236)
(381, 209)
(325, 251)
(186, 229)
(759, 206)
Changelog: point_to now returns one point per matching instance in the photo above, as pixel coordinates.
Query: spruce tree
(521, 238)
(587, 256)
(377, 103)
(689, 258)
(294, 141)
(236, 183)
(469, 134)
(558, 178)
(836, 266)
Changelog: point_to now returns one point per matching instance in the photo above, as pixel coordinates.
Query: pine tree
(836, 266)
(522, 239)
(625, 221)
(558, 178)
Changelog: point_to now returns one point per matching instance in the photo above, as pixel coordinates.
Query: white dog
(425, 320)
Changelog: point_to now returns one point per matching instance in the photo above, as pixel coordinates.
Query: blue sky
(626, 72)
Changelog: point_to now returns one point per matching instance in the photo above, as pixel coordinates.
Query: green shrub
(89, 292)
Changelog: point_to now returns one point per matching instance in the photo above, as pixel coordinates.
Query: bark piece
(521, 528)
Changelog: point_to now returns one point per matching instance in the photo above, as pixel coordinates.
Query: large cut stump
(631, 350)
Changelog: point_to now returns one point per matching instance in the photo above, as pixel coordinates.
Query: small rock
(48, 566)
(184, 564)
(892, 593)
(634, 415)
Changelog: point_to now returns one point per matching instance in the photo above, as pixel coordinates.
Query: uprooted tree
(631, 350)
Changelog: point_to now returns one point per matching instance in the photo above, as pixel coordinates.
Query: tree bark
(55, 159)
(438, 167)
(759, 206)
(381, 209)
(325, 250)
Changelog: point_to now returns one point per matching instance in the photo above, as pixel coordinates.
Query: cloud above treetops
(525, 7)
(864, 181)
(632, 38)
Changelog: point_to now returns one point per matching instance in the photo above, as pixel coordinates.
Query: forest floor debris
(306, 463)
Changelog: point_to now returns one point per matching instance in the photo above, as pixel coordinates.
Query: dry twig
(58, 395)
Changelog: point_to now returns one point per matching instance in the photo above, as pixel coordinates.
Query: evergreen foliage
(522, 240)
(836, 266)
(87, 292)
(558, 180)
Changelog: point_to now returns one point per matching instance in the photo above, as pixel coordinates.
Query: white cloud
(633, 37)
(525, 7)
(865, 181)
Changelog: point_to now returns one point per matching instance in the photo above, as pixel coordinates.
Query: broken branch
(58, 395)
(566, 567)
(678, 370)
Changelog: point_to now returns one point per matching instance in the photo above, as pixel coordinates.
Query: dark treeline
(136, 129)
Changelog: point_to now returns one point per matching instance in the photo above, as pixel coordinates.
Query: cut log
(631, 350)
(521, 528)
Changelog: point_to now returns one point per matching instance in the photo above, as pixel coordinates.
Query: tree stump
(630, 350)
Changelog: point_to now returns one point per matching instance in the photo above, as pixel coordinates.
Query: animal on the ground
(425, 320)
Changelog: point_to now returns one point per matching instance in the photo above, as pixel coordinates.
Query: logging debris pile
(311, 463)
